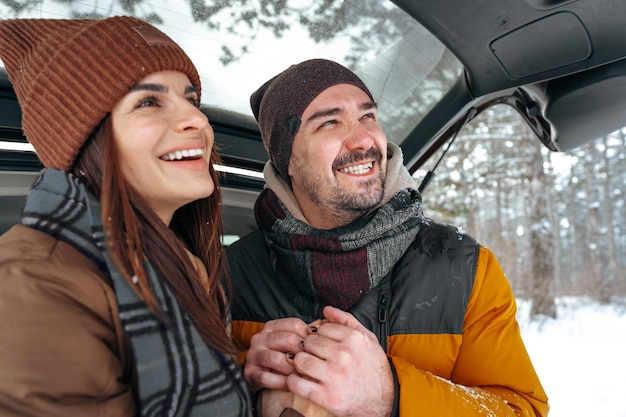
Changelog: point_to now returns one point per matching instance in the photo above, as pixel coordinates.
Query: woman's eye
(194, 101)
(148, 102)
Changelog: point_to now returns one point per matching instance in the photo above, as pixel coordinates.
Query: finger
(269, 360)
(301, 385)
(324, 346)
(343, 327)
(307, 389)
(335, 315)
(257, 378)
(312, 367)
(314, 326)
(287, 325)
(280, 341)
(309, 366)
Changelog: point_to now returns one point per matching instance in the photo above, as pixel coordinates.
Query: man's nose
(359, 137)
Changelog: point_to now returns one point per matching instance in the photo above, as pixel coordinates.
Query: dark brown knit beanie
(279, 103)
(68, 74)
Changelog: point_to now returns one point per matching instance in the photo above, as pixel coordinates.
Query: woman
(111, 302)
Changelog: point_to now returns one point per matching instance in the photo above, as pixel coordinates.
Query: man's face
(339, 157)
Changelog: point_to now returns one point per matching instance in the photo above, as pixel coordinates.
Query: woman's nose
(191, 118)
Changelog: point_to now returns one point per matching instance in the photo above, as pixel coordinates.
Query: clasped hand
(336, 363)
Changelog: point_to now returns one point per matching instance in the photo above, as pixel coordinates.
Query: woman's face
(164, 142)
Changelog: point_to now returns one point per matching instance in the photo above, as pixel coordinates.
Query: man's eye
(369, 116)
(194, 101)
(328, 123)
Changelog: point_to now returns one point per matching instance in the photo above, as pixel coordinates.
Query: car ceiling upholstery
(559, 61)
(508, 43)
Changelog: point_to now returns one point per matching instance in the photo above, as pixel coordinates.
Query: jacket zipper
(383, 312)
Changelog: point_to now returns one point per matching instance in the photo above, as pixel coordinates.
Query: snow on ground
(580, 357)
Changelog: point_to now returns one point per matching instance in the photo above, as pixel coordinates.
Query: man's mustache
(355, 157)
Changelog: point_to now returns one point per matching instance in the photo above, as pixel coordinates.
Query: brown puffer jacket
(59, 313)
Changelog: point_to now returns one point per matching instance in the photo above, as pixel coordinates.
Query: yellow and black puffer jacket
(445, 314)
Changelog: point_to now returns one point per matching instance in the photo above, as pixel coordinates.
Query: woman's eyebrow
(160, 88)
(150, 87)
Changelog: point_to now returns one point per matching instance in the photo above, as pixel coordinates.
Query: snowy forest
(554, 220)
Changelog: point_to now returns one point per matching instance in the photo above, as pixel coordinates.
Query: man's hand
(343, 368)
(267, 362)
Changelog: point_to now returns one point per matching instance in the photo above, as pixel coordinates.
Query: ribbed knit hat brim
(279, 103)
(68, 74)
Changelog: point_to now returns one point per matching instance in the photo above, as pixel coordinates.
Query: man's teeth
(185, 153)
(357, 169)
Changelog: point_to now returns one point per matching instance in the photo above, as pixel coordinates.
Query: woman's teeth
(357, 169)
(182, 154)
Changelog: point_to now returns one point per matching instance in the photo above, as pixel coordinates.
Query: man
(431, 327)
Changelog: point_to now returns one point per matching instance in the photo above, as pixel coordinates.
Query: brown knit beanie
(68, 74)
(279, 103)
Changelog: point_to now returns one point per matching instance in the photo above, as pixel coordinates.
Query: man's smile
(359, 169)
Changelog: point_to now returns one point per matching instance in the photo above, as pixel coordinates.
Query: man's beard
(366, 196)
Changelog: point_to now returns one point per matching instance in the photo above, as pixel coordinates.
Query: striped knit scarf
(177, 373)
(336, 267)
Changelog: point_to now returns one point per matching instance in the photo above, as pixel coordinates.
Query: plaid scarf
(337, 267)
(177, 373)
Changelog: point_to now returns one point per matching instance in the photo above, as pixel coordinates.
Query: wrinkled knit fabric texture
(338, 266)
(279, 103)
(69, 73)
(177, 373)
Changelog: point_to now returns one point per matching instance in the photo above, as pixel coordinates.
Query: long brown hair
(134, 233)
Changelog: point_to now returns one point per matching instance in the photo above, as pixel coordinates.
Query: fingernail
(291, 355)
(313, 328)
